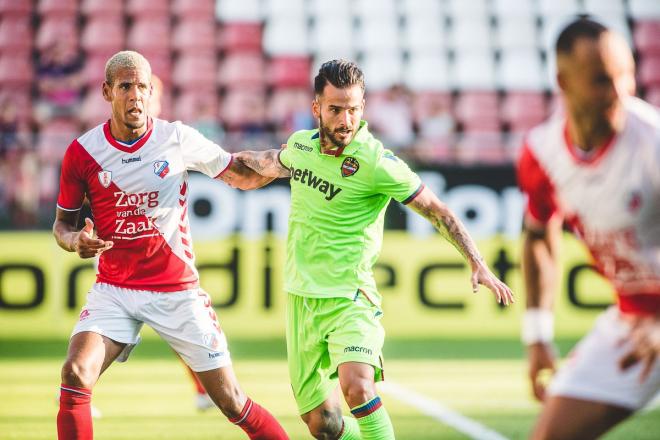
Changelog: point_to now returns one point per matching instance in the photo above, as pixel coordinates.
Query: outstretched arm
(430, 207)
(239, 175)
(265, 163)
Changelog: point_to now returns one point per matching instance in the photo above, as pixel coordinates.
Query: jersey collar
(360, 138)
(588, 158)
(128, 148)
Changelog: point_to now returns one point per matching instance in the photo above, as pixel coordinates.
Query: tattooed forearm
(447, 224)
(264, 162)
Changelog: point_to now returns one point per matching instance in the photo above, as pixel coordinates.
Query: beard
(328, 135)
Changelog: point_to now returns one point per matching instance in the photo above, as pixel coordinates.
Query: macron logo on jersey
(308, 178)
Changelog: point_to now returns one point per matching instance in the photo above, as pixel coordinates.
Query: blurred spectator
(391, 117)
(59, 70)
(18, 168)
(439, 124)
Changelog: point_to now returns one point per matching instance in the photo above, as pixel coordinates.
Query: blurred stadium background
(452, 85)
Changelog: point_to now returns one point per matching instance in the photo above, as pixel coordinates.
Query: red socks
(258, 423)
(74, 420)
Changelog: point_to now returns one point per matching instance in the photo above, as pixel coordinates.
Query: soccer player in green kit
(342, 179)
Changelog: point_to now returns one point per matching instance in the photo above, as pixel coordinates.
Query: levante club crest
(349, 166)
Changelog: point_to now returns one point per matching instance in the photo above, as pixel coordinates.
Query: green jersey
(338, 207)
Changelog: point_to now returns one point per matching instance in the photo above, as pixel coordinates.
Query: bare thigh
(567, 418)
(89, 355)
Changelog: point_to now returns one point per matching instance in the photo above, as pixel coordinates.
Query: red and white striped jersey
(610, 198)
(138, 196)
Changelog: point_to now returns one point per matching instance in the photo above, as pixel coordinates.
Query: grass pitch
(151, 397)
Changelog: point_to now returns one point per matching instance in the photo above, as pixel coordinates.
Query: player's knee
(359, 391)
(325, 425)
(79, 374)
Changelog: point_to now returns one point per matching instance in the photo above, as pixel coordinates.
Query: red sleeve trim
(537, 186)
(231, 159)
(417, 192)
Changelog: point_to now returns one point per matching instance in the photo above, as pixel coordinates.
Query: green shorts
(322, 333)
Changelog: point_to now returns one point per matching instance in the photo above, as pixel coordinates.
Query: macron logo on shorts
(355, 348)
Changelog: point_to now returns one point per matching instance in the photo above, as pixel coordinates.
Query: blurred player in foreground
(597, 168)
(134, 171)
(342, 180)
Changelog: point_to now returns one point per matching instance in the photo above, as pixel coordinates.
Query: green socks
(351, 429)
(373, 420)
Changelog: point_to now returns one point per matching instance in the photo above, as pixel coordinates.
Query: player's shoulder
(304, 137)
(644, 117)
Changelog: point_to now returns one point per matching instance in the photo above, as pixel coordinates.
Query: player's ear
(106, 90)
(316, 108)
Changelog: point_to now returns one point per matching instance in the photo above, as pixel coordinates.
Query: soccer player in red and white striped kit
(134, 171)
(596, 168)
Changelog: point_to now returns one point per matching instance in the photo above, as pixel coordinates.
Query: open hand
(84, 243)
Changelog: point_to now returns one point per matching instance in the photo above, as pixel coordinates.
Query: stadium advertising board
(240, 247)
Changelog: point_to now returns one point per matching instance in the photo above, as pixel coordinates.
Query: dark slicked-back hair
(583, 27)
(339, 73)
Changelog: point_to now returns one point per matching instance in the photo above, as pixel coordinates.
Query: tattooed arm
(266, 163)
(430, 207)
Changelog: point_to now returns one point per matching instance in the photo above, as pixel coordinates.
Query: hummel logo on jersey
(131, 159)
(105, 178)
(308, 178)
(302, 147)
(161, 168)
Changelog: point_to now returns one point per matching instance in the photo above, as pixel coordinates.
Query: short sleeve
(201, 154)
(72, 185)
(395, 179)
(284, 156)
(537, 187)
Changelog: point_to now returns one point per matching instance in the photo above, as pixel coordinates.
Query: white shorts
(592, 371)
(185, 320)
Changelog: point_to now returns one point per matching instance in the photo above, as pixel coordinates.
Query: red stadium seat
(289, 71)
(161, 65)
(103, 35)
(481, 147)
(15, 71)
(523, 110)
(284, 103)
(647, 37)
(56, 28)
(54, 138)
(194, 71)
(239, 36)
(149, 35)
(152, 8)
(478, 111)
(240, 69)
(425, 104)
(58, 7)
(15, 8)
(95, 109)
(94, 71)
(649, 71)
(188, 104)
(15, 35)
(195, 34)
(243, 109)
(102, 8)
(22, 99)
(200, 9)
